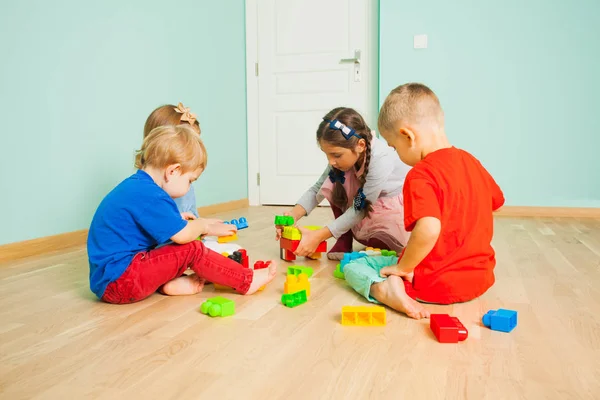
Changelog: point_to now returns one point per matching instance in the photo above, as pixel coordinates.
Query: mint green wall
(520, 85)
(77, 81)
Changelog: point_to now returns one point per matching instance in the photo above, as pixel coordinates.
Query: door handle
(355, 60)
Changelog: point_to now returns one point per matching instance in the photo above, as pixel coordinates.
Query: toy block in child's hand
(296, 283)
(261, 264)
(500, 320)
(284, 220)
(218, 306)
(226, 239)
(363, 315)
(294, 299)
(291, 233)
(447, 329)
(242, 223)
(297, 270)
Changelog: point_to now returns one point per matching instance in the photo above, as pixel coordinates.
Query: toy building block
(295, 284)
(297, 270)
(292, 233)
(261, 264)
(387, 253)
(348, 257)
(288, 246)
(500, 320)
(284, 220)
(294, 299)
(227, 239)
(240, 256)
(363, 315)
(242, 223)
(447, 329)
(218, 306)
(338, 272)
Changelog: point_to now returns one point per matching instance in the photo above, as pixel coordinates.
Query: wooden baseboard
(223, 207)
(548, 212)
(65, 241)
(48, 244)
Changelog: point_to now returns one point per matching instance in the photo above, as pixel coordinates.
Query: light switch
(420, 41)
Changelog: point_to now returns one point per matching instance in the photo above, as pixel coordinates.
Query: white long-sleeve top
(385, 178)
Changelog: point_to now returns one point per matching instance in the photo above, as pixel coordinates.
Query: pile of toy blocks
(290, 240)
(241, 257)
(296, 289)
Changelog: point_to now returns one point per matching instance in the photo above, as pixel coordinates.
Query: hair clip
(186, 114)
(360, 200)
(337, 176)
(347, 132)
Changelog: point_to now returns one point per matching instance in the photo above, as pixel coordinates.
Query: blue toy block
(348, 257)
(241, 224)
(500, 320)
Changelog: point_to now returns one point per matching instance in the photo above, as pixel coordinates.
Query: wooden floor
(58, 342)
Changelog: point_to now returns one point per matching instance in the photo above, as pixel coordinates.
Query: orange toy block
(227, 239)
(297, 283)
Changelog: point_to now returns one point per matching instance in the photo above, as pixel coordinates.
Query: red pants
(150, 270)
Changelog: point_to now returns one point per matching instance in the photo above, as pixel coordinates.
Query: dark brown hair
(166, 115)
(352, 119)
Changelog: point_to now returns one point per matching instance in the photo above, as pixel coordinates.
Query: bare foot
(184, 285)
(262, 276)
(392, 293)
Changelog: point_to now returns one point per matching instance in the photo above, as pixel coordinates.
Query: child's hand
(309, 242)
(187, 216)
(210, 221)
(221, 229)
(279, 228)
(395, 270)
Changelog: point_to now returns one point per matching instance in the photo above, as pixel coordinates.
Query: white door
(306, 52)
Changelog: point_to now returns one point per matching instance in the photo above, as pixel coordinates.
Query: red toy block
(288, 247)
(245, 261)
(447, 329)
(261, 264)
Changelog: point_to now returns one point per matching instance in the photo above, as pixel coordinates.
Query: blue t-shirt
(135, 216)
(187, 202)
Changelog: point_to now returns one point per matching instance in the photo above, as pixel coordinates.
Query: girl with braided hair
(363, 184)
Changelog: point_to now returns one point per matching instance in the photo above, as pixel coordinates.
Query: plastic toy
(226, 239)
(297, 270)
(363, 315)
(295, 284)
(261, 264)
(500, 320)
(294, 299)
(242, 223)
(290, 240)
(338, 272)
(447, 329)
(284, 220)
(218, 307)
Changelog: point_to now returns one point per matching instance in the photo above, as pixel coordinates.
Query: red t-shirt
(452, 186)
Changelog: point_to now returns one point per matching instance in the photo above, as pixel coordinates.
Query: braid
(363, 177)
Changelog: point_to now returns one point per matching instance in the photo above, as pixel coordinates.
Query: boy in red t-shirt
(448, 202)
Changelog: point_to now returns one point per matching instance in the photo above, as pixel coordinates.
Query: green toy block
(387, 253)
(284, 220)
(294, 299)
(218, 307)
(297, 270)
(338, 273)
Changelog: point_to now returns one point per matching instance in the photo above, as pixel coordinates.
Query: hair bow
(335, 175)
(347, 132)
(186, 114)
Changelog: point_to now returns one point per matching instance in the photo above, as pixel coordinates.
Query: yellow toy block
(312, 227)
(297, 283)
(225, 254)
(226, 239)
(220, 287)
(291, 233)
(363, 315)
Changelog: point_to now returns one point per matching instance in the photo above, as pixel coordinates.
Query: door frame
(252, 107)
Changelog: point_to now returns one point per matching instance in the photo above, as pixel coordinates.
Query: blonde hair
(411, 102)
(166, 115)
(168, 145)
